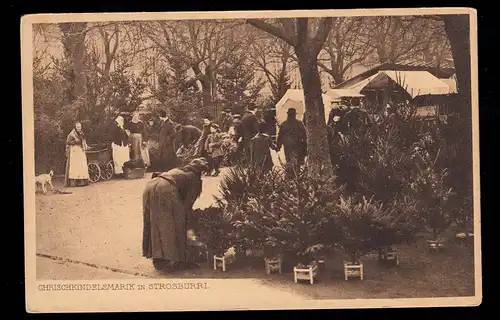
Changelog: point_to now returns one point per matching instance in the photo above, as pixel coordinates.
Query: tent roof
(340, 93)
(295, 98)
(452, 83)
(416, 83)
(298, 95)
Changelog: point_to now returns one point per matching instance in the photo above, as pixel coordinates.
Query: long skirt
(145, 156)
(77, 171)
(121, 154)
(136, 142)
(164, 227)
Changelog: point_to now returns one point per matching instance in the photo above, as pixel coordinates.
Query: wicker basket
(135, 173)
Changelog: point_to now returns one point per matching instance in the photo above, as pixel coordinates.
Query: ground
(96, 232)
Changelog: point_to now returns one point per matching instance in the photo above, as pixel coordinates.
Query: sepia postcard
(251, 160)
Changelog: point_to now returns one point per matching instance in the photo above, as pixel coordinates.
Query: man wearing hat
(249, 125)
(166, 142)
(186, 136)
(292, 136)
(270, 120)
(227, 120)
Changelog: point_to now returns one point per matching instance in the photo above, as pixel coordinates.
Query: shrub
(366, 226)
(276, 214)
(214, 229)
(49, 145)
(429, 185)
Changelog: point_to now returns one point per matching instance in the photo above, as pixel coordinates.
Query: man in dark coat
(200, 149)
(186, 135)
(249, 125)
(270, 120)
(356, 119)
(260, 149)
(334, 136)
(238, 133)
(292, 136)
(335, 112)
(227, 120)
(168, 157)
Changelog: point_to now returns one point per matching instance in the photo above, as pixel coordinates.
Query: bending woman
(167, 201)
(77, 172)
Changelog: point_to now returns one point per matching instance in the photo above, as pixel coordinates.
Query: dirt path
(101, 224)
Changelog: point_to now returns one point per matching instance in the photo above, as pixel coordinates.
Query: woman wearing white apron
(137, 139)
(77, 172)
(119, 144)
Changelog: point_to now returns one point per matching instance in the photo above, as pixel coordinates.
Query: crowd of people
(235, 138)
(127, 143)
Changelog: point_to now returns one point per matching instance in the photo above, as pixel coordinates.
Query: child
(213, 146)
(260, 149)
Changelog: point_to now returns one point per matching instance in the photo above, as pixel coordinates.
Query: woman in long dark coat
(167, 155)
(260, 149)
(167, 201)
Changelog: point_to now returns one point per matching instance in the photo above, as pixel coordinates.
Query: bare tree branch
(324, 29)
(275, 31)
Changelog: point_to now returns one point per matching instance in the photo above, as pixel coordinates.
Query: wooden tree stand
(436, 245)
(305, 274)
(464, 237)
(391, 257)
(219, 262)
(353, 270)
(273, 265)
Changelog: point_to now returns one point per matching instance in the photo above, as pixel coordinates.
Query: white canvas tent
(343, 93)
(416, 83)
(294, 98)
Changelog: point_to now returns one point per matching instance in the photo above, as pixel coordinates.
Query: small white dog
(43, 180)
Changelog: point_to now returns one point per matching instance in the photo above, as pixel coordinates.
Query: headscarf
(120, 121)
(135, 118)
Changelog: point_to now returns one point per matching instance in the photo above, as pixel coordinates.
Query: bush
(429, 185)
(367, 226)
(276, 214)
(214, 229)
(49, 145)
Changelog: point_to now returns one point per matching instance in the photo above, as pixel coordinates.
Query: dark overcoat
(167, 203)
(260, 152)
(293, 137)
(168, 157)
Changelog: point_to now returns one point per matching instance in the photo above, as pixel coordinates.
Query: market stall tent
(415, 83)
(294, 98)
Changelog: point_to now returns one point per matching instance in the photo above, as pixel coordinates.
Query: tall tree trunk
(458, 31)
(73, 40)
(457, 28)
(317, 144)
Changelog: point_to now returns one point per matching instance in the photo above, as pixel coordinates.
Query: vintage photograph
(312, 157)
